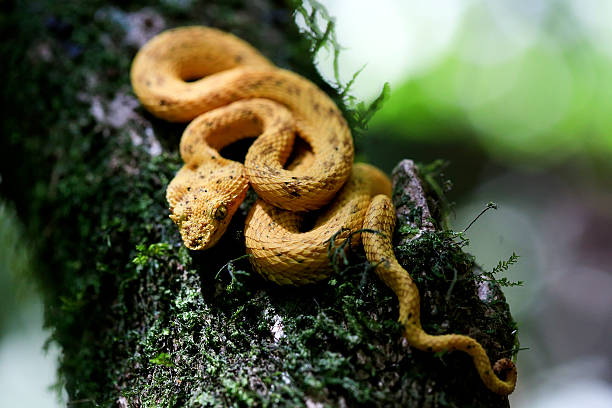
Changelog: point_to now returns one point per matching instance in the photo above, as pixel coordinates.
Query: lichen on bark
(140, 320)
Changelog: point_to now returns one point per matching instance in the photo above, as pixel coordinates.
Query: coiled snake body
(230, 91)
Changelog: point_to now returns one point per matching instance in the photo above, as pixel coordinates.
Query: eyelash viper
(229, 91)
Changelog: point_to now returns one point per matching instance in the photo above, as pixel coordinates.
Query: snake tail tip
(505, 369)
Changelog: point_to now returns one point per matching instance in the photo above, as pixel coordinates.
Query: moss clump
(141, 319)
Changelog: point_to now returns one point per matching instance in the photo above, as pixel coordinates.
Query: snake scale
(229, 91)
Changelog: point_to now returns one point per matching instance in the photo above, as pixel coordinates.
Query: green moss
(136, 314)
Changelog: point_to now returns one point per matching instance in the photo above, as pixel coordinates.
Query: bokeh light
(531, 80)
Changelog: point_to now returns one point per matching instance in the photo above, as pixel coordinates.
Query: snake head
(201, 222)
(202, 208)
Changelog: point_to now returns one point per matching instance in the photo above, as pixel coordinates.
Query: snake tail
(380, 216)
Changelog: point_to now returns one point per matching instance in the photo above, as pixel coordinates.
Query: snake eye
(220, 212)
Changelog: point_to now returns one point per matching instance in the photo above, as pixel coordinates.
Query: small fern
(502, 266)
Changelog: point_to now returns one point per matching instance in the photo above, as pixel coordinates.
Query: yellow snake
(229, 91)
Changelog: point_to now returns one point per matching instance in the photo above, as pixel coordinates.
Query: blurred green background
(517, 97)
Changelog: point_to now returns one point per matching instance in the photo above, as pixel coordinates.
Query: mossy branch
(141, 320)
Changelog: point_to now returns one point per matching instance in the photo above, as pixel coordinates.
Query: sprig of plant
(490, 205)
(502, 266)
(235, 273)
(154, 251)
(337, 252)
(363, 112)
(231, 268)
(315, 17)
